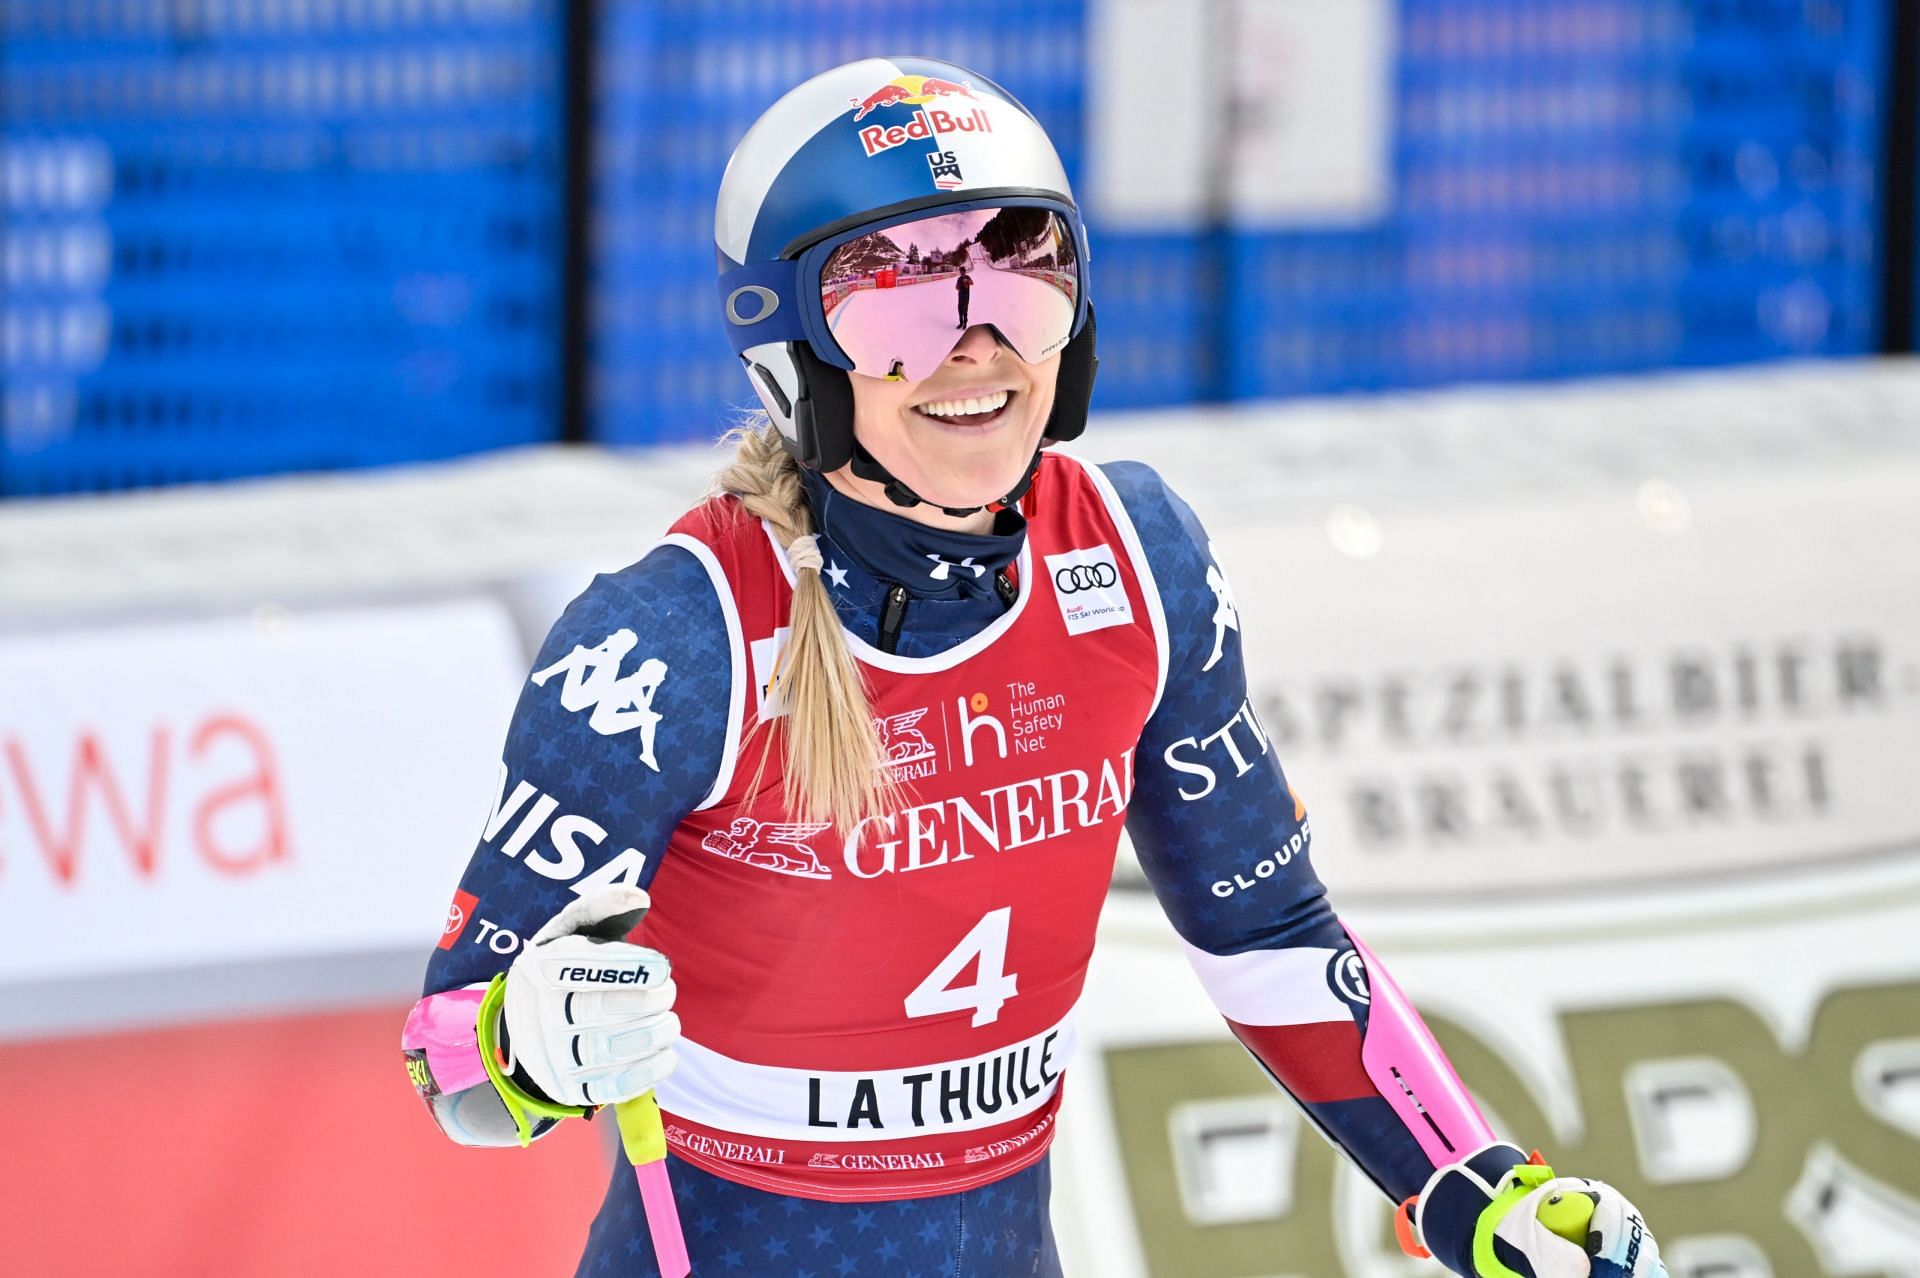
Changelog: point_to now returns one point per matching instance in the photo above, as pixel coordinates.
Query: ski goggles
(893, 299)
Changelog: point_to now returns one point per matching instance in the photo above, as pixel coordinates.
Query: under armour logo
(619, 705)
(941, 567)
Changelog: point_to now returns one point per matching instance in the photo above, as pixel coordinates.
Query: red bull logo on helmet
(924, 124)
(912, 90)
(917, 91)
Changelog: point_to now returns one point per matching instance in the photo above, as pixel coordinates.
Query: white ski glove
(1493, 1216)
(1538, 1224)
(586, 1014)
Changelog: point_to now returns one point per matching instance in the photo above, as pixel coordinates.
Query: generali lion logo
(780, 846)
(824, 1160)
(904, 748)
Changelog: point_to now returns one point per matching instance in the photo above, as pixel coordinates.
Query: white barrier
(233, 791)
(1557, 697)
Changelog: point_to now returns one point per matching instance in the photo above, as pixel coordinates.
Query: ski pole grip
(640, 1131)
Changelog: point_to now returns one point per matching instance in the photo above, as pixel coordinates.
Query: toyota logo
(1085, 577)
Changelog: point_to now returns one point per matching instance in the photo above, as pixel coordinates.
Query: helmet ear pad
(1073, 385)
(823, 412)
(809, 401)
(770, 370)
(816, 419)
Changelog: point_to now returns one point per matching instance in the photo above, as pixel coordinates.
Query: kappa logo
(593, 681)
(746, 839)
(904, 746)
(1087, 586)
(1225, 616)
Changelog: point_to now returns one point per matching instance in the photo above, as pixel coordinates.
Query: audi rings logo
(1077, 577)
(1084, 585)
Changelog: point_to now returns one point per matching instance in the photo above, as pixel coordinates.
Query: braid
(835, 769)
(767, 482)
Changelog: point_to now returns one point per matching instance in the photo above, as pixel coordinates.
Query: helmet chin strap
(868, 467)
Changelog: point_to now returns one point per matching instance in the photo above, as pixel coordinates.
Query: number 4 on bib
(992, 984)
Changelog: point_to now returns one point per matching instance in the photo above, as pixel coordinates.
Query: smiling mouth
(967, 410)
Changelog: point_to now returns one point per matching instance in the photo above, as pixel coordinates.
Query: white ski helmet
(895, 144)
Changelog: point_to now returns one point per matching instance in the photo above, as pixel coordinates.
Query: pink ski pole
(646, 1145)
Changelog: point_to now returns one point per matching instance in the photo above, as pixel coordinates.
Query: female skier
(866, 727)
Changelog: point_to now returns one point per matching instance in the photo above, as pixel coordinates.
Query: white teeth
(958, 407)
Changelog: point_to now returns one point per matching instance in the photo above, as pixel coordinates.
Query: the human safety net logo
(1087, 585)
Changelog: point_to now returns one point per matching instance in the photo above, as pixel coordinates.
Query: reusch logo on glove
(604, 975)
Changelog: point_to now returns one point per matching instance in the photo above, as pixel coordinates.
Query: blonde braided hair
(835, 767)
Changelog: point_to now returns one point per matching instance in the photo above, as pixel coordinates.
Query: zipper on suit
(892, 613)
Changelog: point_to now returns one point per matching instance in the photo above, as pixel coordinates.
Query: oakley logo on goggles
(894, 301)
